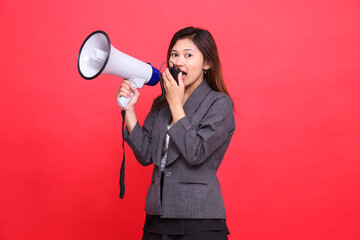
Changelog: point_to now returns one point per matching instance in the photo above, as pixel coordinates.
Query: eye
(174, 54)
(188, 55)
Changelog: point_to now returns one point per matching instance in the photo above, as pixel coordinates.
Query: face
(186, 56)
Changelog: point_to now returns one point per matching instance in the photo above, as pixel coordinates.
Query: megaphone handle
(123, 101)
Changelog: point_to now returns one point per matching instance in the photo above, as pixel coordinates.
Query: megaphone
(97, 56)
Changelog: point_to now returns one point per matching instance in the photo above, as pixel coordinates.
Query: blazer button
(168, 174)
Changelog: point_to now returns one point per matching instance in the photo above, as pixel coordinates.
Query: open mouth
(184, 74)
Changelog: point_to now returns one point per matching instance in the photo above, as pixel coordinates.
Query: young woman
(185, 136)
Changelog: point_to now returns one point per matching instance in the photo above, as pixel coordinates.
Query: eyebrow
(187, 49)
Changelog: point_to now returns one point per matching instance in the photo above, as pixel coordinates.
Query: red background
(292, 68)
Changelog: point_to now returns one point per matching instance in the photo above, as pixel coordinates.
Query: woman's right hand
(125, 91)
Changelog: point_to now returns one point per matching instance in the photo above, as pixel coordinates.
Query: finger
(126, 85)
(165, 77)
(123, 94)
(118, 93)
(125, 82)
(126, 90)
(181, 80)
(134, 90)
(166, 82)
(127, 94)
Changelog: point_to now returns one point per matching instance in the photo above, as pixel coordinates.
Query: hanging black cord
(122, 169)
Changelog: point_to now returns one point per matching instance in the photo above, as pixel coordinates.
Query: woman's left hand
(174, 95)
(174, 92)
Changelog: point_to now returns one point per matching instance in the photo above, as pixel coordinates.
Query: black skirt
(192, 229)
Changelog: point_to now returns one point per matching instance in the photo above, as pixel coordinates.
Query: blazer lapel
(190, 107)
(196, 98)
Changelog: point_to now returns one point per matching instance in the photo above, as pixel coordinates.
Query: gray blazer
(197, 146)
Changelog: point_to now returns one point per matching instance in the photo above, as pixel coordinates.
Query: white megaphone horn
(97, 56)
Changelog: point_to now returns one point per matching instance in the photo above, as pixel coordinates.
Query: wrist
(130, 119)
(177, 112)
(130, 109)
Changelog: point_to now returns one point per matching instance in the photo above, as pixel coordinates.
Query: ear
(207, 65)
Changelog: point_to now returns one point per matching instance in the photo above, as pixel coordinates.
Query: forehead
(184, 45)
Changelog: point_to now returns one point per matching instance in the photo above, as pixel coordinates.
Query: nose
(178, 62)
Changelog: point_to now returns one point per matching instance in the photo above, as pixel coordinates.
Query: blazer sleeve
(140, 140)
(215, 129)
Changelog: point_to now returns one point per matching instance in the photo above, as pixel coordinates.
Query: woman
(185, 136)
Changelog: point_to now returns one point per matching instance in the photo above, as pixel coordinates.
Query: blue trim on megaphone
(155, 77)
